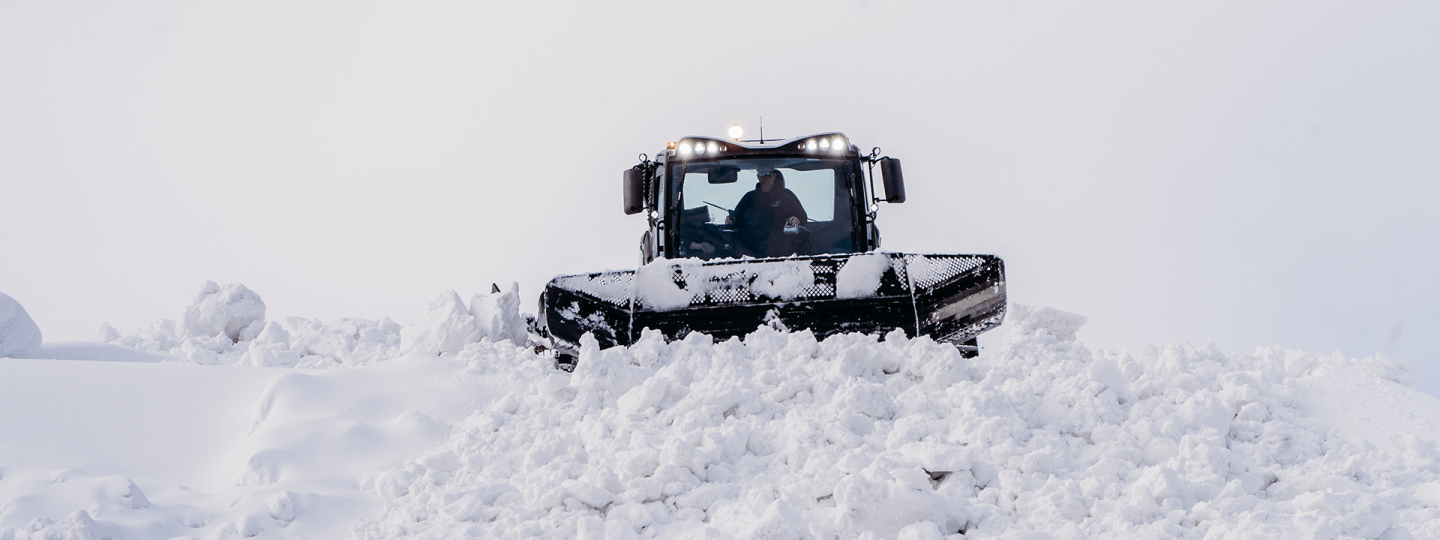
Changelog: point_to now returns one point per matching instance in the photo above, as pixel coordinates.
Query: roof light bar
(827, 143)
(701, 148)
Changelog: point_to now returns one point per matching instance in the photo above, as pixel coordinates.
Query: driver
(763, 215)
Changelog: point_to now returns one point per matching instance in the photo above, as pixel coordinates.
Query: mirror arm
(870, 161)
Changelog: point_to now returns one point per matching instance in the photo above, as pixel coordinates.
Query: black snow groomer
(744, 233)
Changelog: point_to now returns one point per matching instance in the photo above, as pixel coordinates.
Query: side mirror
(723, 175)
(893, 180)
(634, 188)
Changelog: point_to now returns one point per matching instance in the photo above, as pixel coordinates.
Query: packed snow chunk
(231, 310)
(860, 276)
(19, 336)
(445, 327)
(497, 315)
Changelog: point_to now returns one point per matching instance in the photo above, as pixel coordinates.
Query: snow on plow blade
(951, 298)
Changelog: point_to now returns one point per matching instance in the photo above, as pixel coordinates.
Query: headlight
(835, 144)
(684, 148)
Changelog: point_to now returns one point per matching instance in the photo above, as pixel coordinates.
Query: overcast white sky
(1251, 173)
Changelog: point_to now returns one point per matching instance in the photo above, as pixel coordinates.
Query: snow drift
(777, 435)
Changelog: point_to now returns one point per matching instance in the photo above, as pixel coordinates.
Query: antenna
(762, 130)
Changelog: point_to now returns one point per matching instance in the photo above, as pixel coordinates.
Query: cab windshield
(771, 207)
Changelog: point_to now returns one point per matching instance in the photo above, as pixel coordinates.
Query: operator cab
(726, 211)
(710, 198)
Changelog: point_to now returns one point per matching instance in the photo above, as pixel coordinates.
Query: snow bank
(18, 333)
(781, 436)
(225, 325)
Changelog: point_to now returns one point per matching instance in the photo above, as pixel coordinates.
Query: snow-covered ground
(226, 425)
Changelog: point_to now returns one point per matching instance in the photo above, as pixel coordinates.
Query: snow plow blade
(951, 298)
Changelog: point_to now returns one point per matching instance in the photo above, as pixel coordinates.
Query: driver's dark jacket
(761, 217)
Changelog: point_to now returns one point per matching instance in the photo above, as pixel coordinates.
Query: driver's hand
(703, 246)
(792, 222)
(729, 220)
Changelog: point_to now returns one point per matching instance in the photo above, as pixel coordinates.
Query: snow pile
(18, 333)
(781, 436)
(447, 325)
(309, 343)
(233, 311)
(498, 316)
(225, 325)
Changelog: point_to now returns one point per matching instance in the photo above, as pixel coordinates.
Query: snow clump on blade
(18, 333)
(779, 435)
(655, 285)
(860, 276)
